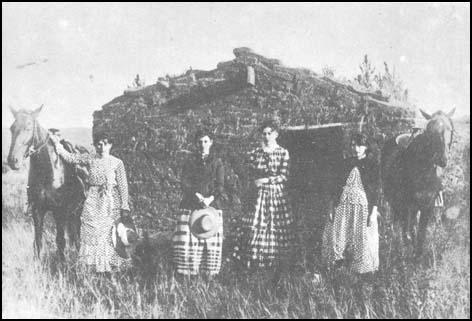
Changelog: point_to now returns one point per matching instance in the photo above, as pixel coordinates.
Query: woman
(107, 200)
(203, 186)
(354, 225)
(266, 234)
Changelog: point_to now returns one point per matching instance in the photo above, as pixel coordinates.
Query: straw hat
(204, 222)
(123, 236)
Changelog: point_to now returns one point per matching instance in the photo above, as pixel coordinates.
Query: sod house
(154, 127)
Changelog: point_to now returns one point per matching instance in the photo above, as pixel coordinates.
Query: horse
(53, 185)
(410, 174)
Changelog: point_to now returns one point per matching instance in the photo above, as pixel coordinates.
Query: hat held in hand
(204, 223)
(123, 236)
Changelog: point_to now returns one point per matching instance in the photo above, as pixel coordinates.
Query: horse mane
(41, 135)
(76, 172)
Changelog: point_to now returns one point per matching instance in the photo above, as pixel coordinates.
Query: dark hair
(202, 133)
(360, 140)
(269, 123)
(102, 136)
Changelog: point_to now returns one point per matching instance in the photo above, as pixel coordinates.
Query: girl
(266, 234)
(107, 200)
(202, 186)
(352, 225)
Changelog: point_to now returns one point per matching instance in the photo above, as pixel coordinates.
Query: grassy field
(437, 286)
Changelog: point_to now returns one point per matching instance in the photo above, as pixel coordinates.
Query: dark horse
(410, 175)
(52, 184)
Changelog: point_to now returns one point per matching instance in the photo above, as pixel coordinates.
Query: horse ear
(13, 111)
(449, 114)
(36, 112)
(425, 114)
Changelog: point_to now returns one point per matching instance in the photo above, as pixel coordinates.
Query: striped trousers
(191, 254)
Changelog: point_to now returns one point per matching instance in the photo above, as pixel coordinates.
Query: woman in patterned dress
(266, 235)
(107, 200)
(353, 227)
(202, 186)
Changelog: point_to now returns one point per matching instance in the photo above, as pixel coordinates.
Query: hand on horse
(54, 139)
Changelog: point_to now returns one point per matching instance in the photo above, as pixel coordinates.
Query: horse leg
(60, 240)
(38, 220)
(404, 216)
(73, 226)
(75, 230)
(422, 229)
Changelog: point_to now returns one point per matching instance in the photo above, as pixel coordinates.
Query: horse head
(23, 131)
(439, 131)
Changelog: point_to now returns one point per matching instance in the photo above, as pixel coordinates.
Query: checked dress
(265, 235)
(107, 195)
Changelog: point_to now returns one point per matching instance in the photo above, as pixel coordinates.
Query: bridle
(32, 149)
(449, 144)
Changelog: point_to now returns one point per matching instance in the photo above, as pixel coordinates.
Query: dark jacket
(206, 177)
(370, 176)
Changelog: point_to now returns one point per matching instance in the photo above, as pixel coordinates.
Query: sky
(75, 57)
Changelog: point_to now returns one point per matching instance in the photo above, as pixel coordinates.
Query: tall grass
(437, 286)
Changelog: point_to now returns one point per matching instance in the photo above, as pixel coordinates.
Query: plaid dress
(107, 195)
(266, 232)
(349, 231)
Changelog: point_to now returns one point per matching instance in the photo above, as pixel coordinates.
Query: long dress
(191, 255)
(106, 197)
(266, 235)
(349, 230)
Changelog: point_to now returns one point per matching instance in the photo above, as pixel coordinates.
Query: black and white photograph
(235, 160)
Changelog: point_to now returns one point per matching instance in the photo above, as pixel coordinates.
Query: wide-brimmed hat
(204, 223)
(123, 236)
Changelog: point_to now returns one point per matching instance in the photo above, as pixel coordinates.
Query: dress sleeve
(219, 192)
(186, 179)
(253, 173)
(283, 170)
(73, 158)
(122, 185)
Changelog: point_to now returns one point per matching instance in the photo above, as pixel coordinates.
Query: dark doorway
(316, 155)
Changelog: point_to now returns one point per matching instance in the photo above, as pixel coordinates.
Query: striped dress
(266, 235)
(349, 231)
(106, 197)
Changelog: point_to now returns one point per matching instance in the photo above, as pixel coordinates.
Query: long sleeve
(186, 179)
(283, 170)
(122, 185)
(219, 190)
(80, 159)
(252, 165)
